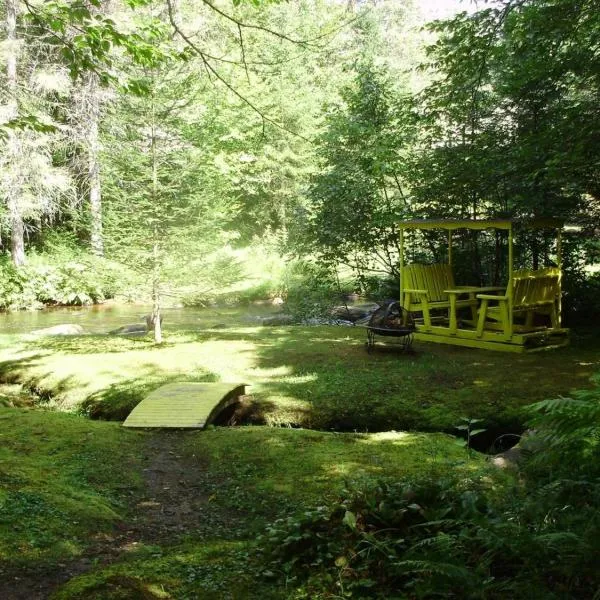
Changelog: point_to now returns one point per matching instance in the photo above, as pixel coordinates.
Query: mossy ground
(316, 377)
(58, 484)
(91, 510)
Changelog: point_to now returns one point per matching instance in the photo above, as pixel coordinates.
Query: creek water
(103, 318)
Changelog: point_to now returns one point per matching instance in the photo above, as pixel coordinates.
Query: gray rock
(150, 321)
(137, 328)
(355, 312)
(277, 320)
(64, 329)
(509, 459)
(133, 329)
(320, 321)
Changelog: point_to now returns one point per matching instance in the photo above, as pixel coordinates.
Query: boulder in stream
(63, 329)
(354, 312)
(276, 320)
(132, 329)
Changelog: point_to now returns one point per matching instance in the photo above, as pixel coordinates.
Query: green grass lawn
(72, 488)
(283, 468)
(58, 484)
(316, 377)
(91, 510)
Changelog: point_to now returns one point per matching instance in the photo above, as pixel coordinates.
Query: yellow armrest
(491, 297)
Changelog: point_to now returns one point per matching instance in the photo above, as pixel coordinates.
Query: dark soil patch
(179, 495)
(177, 501)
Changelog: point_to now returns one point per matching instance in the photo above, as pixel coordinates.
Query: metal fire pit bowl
(391, 320)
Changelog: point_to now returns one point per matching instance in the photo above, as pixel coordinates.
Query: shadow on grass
(12, 371)
(274, 470)
(430, 390)
(113, 403)
(90, 344)
(22, 371)
(315, 377)
(248, 411)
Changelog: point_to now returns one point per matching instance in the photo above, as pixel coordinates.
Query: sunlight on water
(106, 317)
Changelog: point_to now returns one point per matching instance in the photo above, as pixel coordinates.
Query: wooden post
(559, 264)
(450, 247)
(401, 233)
(510, 286)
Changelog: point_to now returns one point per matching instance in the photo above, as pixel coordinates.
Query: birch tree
(11, 178)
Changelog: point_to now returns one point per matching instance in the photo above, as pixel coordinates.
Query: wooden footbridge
(185, 405)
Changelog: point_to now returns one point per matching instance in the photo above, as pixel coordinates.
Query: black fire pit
(391, 320)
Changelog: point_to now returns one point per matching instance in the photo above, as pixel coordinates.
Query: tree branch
(243, 53)
(209, 68)
(241, 24)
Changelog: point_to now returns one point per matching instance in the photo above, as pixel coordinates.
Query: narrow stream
(106, 317)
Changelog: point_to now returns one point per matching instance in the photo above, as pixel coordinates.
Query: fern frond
(429, 567)
(560, 540)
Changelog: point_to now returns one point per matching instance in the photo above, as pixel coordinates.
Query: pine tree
(34, 94)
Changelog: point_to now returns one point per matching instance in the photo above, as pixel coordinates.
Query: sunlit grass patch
(318, 377)
(78, 376)
(268, 469)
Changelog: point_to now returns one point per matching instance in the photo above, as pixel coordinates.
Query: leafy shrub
(57, 280)
(379, 288)
(266, 290)
(263, 291)
(311, 290)
(198, 298)
(567, 433)
(442, 539)
(564, 457)
(538, 538)
(581, 295)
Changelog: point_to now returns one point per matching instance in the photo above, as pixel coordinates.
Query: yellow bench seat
(533, 292)
(424, 288)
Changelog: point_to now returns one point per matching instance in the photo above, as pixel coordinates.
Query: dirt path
(177, 500)
(179, 495)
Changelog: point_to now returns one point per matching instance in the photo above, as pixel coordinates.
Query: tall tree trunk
(156, 319)
(93, 149)
(13, 195)
(17, 241)
(155, 233)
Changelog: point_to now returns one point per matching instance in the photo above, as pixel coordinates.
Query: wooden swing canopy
(523, 315)
(507, 224)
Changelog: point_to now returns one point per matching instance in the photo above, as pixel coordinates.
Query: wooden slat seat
(423, 290)
(533, 292)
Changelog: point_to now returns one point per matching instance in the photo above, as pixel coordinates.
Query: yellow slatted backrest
(535, 287)
(433, 278)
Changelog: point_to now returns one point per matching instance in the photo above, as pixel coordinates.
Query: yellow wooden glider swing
(522, 316)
